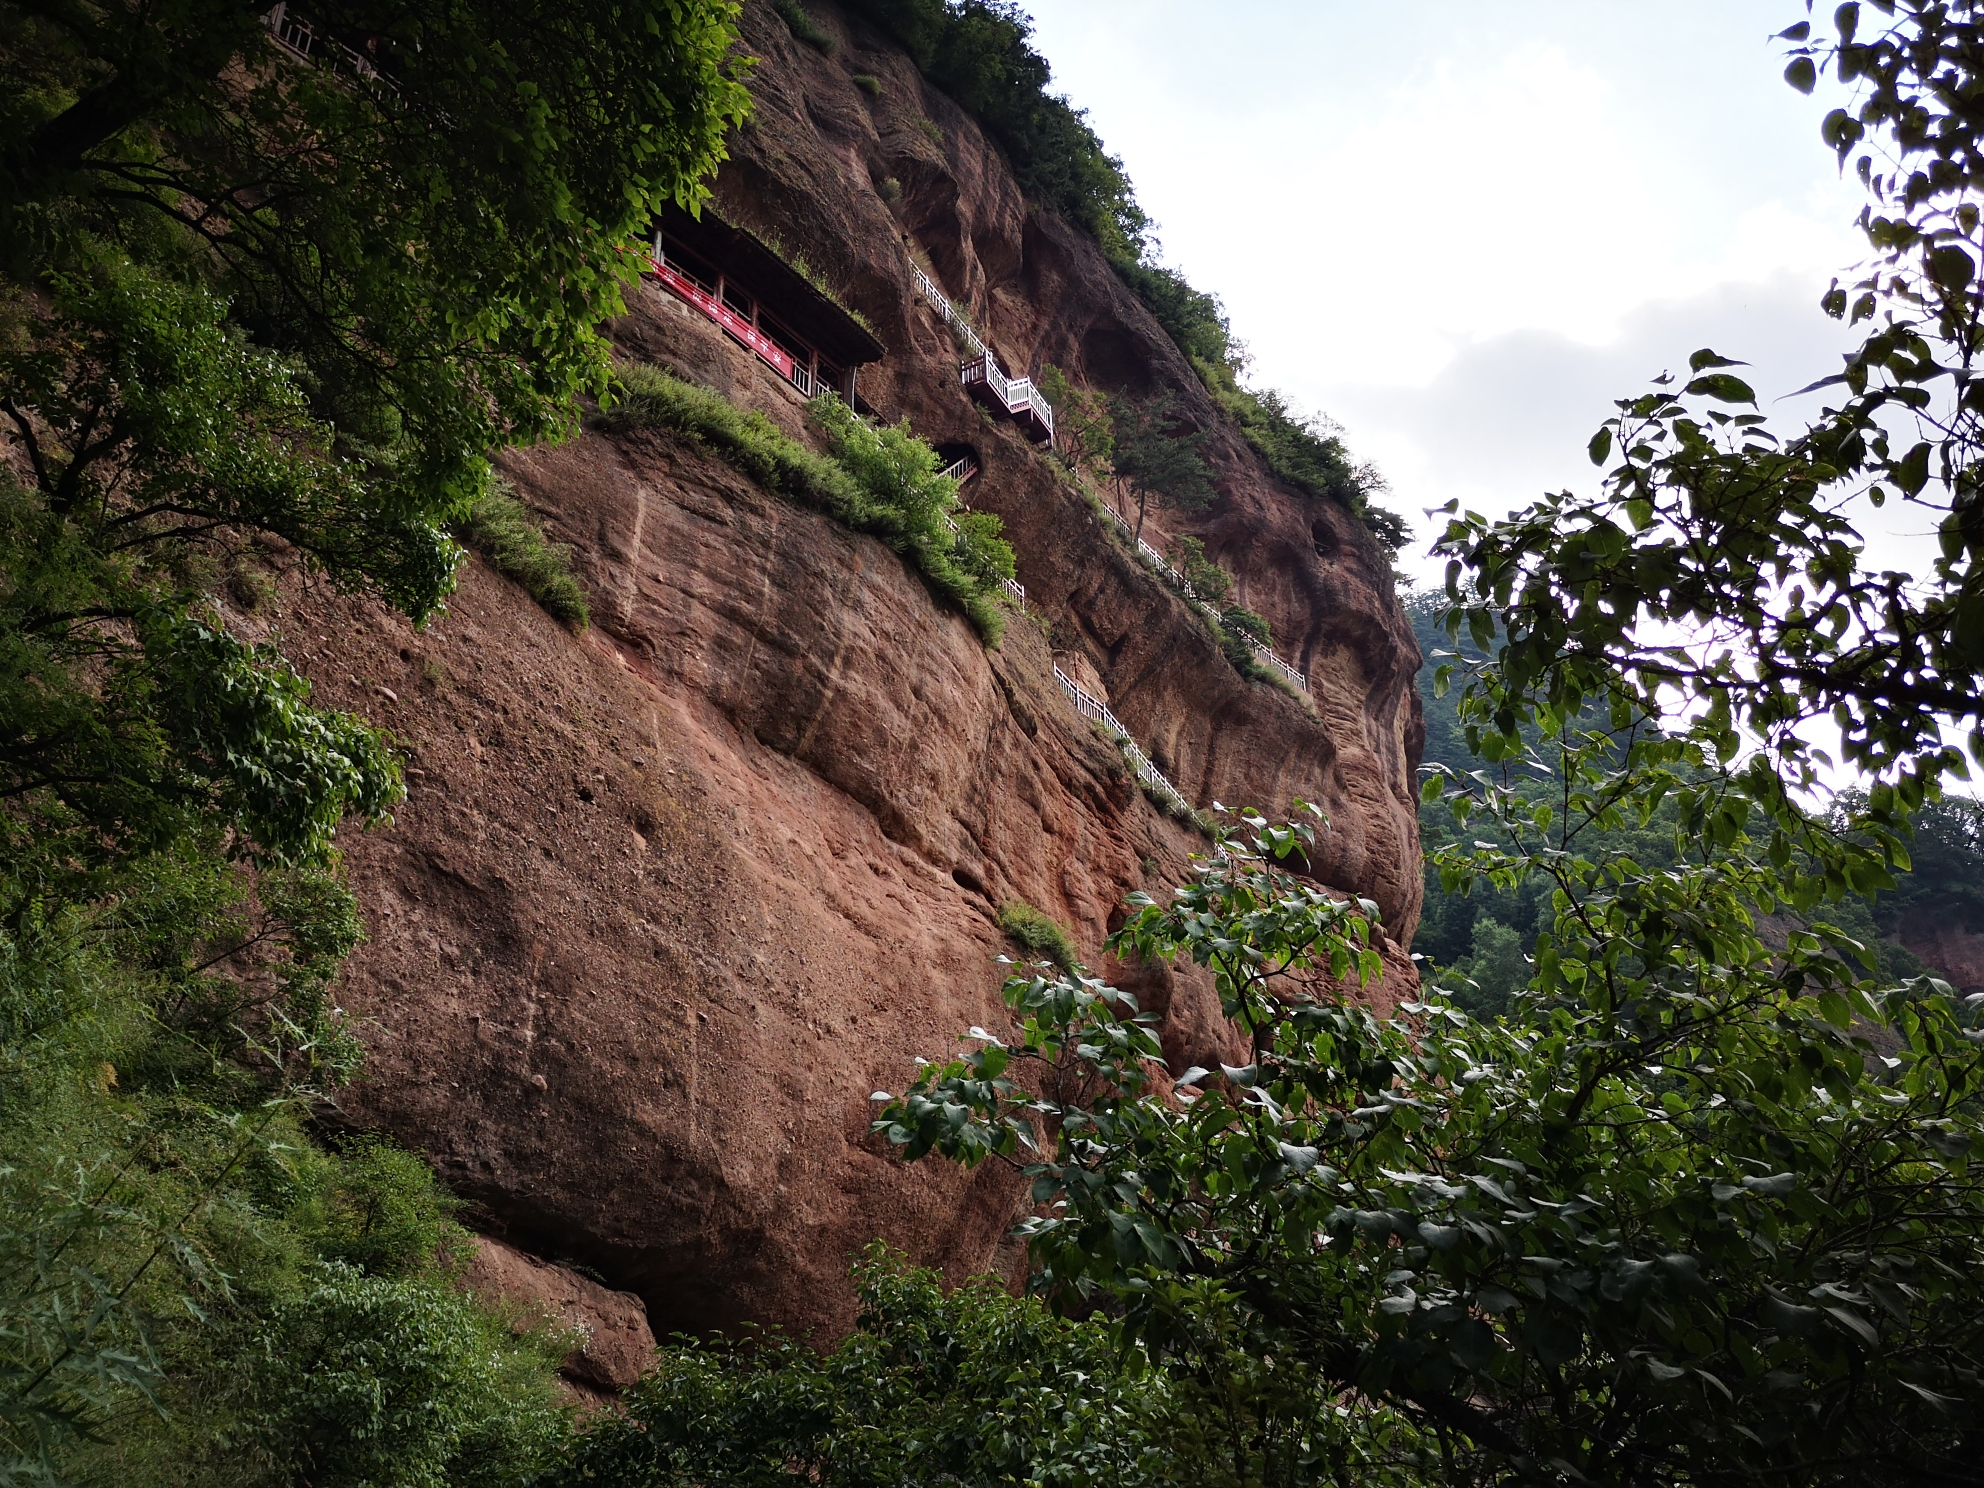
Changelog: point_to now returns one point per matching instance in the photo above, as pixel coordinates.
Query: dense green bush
(882, 481)
(501, 528)
(192, 1288)
(1039, 933)
(1237, 617)
(1208, 580)
(968, 1387)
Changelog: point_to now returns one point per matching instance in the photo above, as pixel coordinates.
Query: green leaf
(1600, 448)
(1705, 358)
(1801, 74)
(1723, 387)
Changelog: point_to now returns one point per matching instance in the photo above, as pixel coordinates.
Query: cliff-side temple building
(764, 303)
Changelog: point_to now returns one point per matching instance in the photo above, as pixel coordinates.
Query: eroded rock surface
(670, 899)
(613, 1344)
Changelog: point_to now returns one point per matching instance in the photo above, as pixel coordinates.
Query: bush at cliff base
(192, 1289)
(971, 1386)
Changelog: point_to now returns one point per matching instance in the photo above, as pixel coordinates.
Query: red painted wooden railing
(686, 289)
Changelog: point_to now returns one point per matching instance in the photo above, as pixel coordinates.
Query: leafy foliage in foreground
(1704, 1207)
(971, 1387)
(1685, 1222)
(885, 482)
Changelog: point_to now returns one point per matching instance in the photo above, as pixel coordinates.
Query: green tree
(1208, 580)
(242, 297)
(1486, 982)
(1084, 437)
(1155, 459)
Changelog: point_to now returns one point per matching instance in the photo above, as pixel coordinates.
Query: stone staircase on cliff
(1147, 773)
(1183, 585)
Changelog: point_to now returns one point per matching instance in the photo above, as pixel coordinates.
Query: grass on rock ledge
(501, 528)
(882, 481)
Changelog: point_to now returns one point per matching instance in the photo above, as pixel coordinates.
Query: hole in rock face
(949, 454)
(1325, 540)
(970, 882)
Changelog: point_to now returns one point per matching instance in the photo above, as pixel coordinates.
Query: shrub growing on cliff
(501, 528)
(885, 482)
(1084, 437)
(1208, 580)
(804, 28)
(1039, 933)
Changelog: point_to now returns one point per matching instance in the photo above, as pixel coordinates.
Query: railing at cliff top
(299, 38)
(1147, 773)
(1184, 586)
(1017, 394)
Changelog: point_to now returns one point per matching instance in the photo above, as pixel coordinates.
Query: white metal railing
(1184, 586)
(1016, 393)
(935, 296)
(1147, 773)
(961, 470)
(297, 37)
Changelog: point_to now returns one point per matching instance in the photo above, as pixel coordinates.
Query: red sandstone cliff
(668, 900)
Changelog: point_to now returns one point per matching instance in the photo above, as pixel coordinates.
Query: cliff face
(669, 899)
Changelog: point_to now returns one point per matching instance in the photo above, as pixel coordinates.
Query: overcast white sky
(1462, 228)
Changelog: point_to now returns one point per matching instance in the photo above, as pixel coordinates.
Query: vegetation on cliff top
(882, 481)
(980, 53)
(252, 312)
